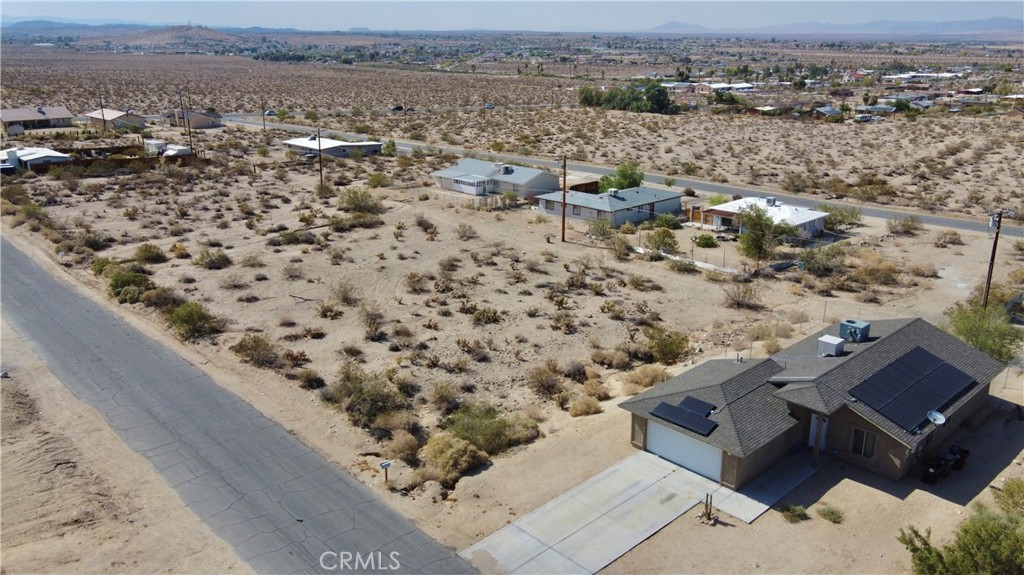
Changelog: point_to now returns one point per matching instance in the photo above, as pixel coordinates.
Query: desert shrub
(646, 376)
(98, 265)
(122, 280)
(562, 399)
(947, 238)
(404, 447)
(150, 254)
(613, 358)
(594, 388)
(483, 425)
(252, 261)
(830, 514)
(667, 346)
(923, 270)
(364, 396)
(600, 229)
(627, 228)
(1011, 497)
(904, 225)
(662, 240)
(378, 180)
(772, 345)
(465, 231)
(486, 315)
(544, 380)
(373, 323)
(448, 457)
(161, 298)
(585, 405)
(667, 221)
(876, 271)
(345, 293)
(444, 396)
(742, 296)
(574, 371)
(191, 320)
(310, 379)
(361, 201)
(826, 261)
(621, 248)
(213, 260)
(257, 350)
(794, 513)
(425, 224)
(681, 266)
(706, 240)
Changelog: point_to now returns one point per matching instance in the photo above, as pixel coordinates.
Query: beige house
(16, 120)
(107, 119)
(883, 396)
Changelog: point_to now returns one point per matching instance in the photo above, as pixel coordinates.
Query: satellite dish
(936, 418)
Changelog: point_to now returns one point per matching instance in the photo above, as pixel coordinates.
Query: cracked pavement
(277, 502)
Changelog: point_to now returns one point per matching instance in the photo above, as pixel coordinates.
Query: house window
(575, 210)
(864, 443)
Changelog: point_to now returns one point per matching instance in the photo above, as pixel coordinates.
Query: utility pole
(320, 157)
(188, 125)
(998, 220)
(103, 114)
(563, 197)
(263, 112)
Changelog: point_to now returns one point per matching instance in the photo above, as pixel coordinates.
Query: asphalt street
(679, 182)
(276, 501)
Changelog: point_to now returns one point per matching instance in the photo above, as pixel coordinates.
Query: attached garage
(684, 450)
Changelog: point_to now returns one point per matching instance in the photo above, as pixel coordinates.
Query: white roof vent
(830, 345)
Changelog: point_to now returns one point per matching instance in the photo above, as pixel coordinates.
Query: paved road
(276, 501)
(873, 212)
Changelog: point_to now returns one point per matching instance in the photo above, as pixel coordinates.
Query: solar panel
(914, 384)
(701, 408)
(684, 418)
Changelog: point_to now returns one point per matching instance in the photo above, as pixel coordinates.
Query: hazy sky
(508, 15)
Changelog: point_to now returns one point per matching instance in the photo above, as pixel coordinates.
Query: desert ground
(467, 301)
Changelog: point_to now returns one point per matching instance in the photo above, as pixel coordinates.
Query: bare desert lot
(363, 312)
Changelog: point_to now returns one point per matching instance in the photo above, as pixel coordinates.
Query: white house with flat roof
(479, 177)
(809, 222)
(330, 147)
(617, 206)
(14, 158)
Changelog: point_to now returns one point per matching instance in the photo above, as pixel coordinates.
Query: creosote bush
(364, 396)
(483, 425)
(150, 254)
(585, 405)
(213, 260)
(191, 320)
(257, 350)
(830, 514)
(447, 457)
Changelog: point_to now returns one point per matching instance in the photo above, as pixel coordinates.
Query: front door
(815, 418)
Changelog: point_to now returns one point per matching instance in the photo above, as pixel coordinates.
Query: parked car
(488, 106)
(270, 113)
(397, 108)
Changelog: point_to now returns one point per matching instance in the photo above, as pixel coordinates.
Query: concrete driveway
(595, 523)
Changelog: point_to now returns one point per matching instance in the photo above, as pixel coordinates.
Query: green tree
(389, 149)
(662, 239)
(627, 175)
(718, 199)
(986, 328)
(760, 235)
(312, 116)
(282, 115)
(841, 217)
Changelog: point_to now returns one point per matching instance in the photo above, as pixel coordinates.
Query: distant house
(17, 120)
(107, 119)
(617, 206)
(479, 177)
(883, 396)
(826, 112)
(12, 159)
(878, 110)
(333, 148)
(726, 216)
(922, 105)
(192, 119)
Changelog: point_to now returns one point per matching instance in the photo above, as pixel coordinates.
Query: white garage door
(684, 450)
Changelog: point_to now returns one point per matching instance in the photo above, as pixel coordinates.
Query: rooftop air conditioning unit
(613, 191)
(855, 331)
(830, 345)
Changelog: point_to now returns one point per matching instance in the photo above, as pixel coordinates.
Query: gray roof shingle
(630, 198)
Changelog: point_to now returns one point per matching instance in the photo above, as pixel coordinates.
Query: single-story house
(17, 120)
(13, 158)
(826, 112)
(107, 119)
(809, 222)
(192, 119)
(480, 177)
(333, 148)
(881, 395)
(617, 206)
(922, 104)
(877, 109)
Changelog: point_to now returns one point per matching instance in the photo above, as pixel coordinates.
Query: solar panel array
(907, 389)
(690, 414)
